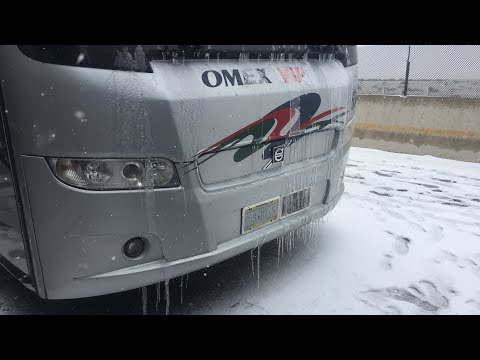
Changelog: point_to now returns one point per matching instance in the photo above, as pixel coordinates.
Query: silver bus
(123, 166)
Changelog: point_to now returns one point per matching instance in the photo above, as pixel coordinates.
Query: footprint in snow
(379, 173)
(454, 203)
(380, 194)
(429, 186)
(474, 303)
(402, 245)
(393, 310)
(437, 233)
(356, 176)
(386, 262)
(471, 265)
(391, 171)
(444, 180)
(445, 256)
(424, 295)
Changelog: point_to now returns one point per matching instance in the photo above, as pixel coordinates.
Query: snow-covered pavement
(405, 239)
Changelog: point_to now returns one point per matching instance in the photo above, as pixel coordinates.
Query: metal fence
(419, 70)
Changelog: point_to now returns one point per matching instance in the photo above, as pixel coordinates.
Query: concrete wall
(444, 127)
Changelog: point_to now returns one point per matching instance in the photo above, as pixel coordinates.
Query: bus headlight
(98, 172)
(162, 172)
(133, 171)
(115, 174)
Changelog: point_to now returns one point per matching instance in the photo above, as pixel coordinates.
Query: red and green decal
(269, 128)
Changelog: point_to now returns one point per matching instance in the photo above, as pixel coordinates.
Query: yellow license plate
(261, 214)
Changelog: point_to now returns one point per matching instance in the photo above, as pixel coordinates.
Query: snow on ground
(404, 239)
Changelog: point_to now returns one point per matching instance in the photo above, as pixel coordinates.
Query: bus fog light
(134, 247)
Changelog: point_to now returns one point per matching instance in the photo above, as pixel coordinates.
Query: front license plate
(261, 214)
(269, 211)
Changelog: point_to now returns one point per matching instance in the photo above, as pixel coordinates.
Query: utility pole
(407, 73)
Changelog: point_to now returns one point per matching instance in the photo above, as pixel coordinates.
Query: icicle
(253, 268)
(167, 297)
(181, 290)
(144, 300)
(305, 56)
(159, 291)
(278, 253)
(258, 268)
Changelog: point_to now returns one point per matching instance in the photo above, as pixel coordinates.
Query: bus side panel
(12, 247)
(18, 250)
